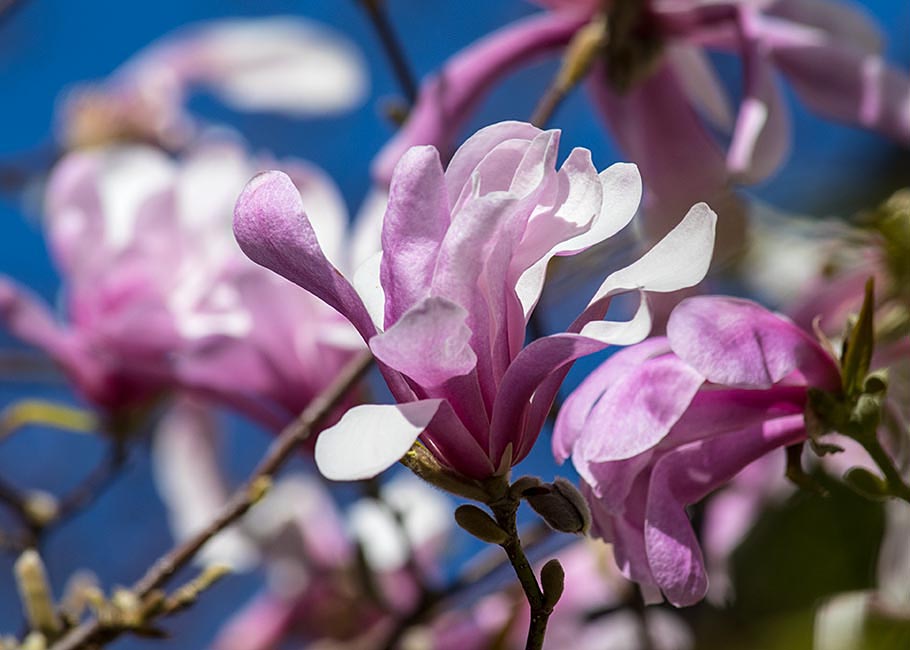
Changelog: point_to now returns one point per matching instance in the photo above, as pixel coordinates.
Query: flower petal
(448, 99)
(737, 342)
(371, 438)
(414, 226)
(273, 230)
(638, 410)
(578, 405)
(429, 343)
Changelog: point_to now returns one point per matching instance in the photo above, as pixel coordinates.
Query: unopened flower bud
(35, 593)
(479, 524)
(561, 506)
(866, 483)
(552, 582)
(41, 507)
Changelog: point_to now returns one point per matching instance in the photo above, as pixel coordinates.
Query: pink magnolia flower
(279, 64)
(444, 306)
(158, 296)
(662, 424)
(664, 103)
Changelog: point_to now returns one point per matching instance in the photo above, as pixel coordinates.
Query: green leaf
(857, 354)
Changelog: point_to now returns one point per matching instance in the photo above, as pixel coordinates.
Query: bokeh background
(47, 45)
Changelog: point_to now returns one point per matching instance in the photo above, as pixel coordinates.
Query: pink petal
(429, 343)
(638, 410)
(448, 99)
(739, 343)
(578, 405)
(415, 224)
(273, 230)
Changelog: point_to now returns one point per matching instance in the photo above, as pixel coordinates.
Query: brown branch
(393, 49)
(93, 632)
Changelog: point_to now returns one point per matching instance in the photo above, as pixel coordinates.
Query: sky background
(47, 45)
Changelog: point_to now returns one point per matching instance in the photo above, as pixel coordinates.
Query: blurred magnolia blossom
(444, 306)
(661, 425)
(659, 94)
(158, 296)
(316, 588)
(593, 613)
(284, 65)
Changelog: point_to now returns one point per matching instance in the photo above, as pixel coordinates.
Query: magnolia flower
(279, 64)
(444, 306)
(662, 424)
(661, 97)
(158, 296)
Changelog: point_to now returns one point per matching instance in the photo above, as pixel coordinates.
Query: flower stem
(393, 48)
(504, 512)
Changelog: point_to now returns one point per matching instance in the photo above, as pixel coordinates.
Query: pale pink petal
(428, 344)
(414, 226)
(577, 407)
(638, 411)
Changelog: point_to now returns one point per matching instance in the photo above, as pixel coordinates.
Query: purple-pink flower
(661, 97)
(662, 424)
(158, 297)
(445, 304)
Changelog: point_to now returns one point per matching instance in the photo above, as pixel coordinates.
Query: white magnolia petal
(679, 260)
(371, 438)
(282, 64)
(627, 332)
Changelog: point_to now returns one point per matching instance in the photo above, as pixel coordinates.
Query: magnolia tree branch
(393, 49)
(93, 632)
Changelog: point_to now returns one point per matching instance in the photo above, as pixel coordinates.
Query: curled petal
(274, 231)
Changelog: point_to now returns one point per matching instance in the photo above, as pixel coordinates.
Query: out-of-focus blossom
(157, 294)
(661, 97)
(316, 589)
(661, 425)
(278, 64)
(445, 305)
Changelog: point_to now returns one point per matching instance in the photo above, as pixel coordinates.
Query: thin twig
(505, 512)
(93, 632)
(94, 485)
(393, 49)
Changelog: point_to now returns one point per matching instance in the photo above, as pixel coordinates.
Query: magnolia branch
(393, 49)
(94, 632)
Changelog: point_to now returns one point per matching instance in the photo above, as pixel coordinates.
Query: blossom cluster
(516, 302)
